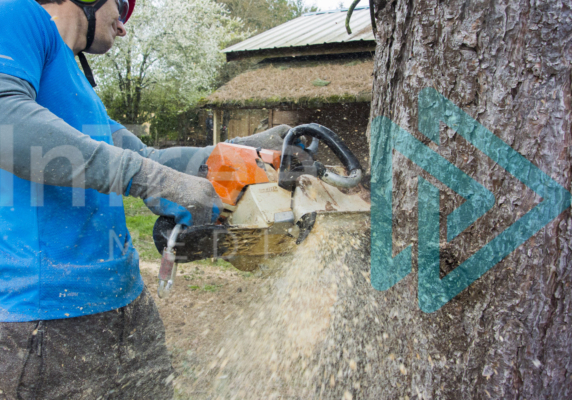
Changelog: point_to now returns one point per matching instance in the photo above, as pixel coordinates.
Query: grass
(140, 223)
(219, 262)
(205, 288)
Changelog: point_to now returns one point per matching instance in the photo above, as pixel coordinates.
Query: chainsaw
(271, 202)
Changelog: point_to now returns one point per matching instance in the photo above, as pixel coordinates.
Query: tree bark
(507, 64)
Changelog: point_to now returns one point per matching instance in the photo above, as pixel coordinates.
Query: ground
(204, 294)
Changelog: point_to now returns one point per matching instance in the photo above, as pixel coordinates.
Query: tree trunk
(507, 64)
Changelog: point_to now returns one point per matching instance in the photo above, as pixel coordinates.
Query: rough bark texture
(507, 63)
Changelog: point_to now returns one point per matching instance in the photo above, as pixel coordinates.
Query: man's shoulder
(18, 6)
(29, 39)
(28, 12)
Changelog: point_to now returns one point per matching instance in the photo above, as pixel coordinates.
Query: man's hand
(166, 208)
(196, 195)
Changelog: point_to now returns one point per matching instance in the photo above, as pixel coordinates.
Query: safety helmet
(90, 7)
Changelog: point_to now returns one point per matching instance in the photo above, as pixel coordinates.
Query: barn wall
(244, 122)
(349, 121)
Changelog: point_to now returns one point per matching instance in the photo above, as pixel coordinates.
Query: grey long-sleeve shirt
(24, 124)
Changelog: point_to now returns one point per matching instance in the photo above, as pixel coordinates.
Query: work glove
(270, 139)
(196, 195)
(166, 208)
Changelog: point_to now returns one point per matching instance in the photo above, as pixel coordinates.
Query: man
(75, 318)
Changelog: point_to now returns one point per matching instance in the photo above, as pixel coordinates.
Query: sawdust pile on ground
(292, 83)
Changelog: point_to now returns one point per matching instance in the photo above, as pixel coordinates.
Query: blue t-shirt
(64, 252)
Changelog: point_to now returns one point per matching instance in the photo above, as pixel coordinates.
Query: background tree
(261, 15)
(258, 16)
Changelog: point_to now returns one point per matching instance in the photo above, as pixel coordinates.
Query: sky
(328, 4)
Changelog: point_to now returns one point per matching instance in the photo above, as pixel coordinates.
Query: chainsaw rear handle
(288, 175)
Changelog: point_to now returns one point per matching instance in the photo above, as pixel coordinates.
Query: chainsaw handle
(331, 178)
(287, 176)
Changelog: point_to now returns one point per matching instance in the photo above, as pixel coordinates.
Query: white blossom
(170, 44)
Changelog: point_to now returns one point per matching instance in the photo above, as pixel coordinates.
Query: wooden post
(217, 120)
(270, 118)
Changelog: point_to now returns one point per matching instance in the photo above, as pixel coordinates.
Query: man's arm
(182, 159)
(25, 124)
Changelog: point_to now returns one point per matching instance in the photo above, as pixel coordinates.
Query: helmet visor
(123, 7)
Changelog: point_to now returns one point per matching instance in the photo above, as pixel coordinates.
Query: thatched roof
(307, 83)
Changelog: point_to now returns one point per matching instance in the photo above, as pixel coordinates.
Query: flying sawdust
(282, 344)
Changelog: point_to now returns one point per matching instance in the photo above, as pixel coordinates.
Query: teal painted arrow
(388, 136)
(434, 292)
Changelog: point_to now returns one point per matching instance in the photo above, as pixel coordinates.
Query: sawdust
(275, 338)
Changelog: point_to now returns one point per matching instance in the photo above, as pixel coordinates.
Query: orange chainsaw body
(233, 167)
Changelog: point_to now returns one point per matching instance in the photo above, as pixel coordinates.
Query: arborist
(75, 318)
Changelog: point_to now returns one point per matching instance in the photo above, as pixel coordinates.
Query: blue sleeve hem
(115, 126)
(19, 73)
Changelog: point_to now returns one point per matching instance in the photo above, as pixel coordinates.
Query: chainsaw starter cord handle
(336, 180)
(329, 138)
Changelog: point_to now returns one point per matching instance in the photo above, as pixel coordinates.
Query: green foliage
(148, 140)
(320, 82)
(219, 262)
(257, 16)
